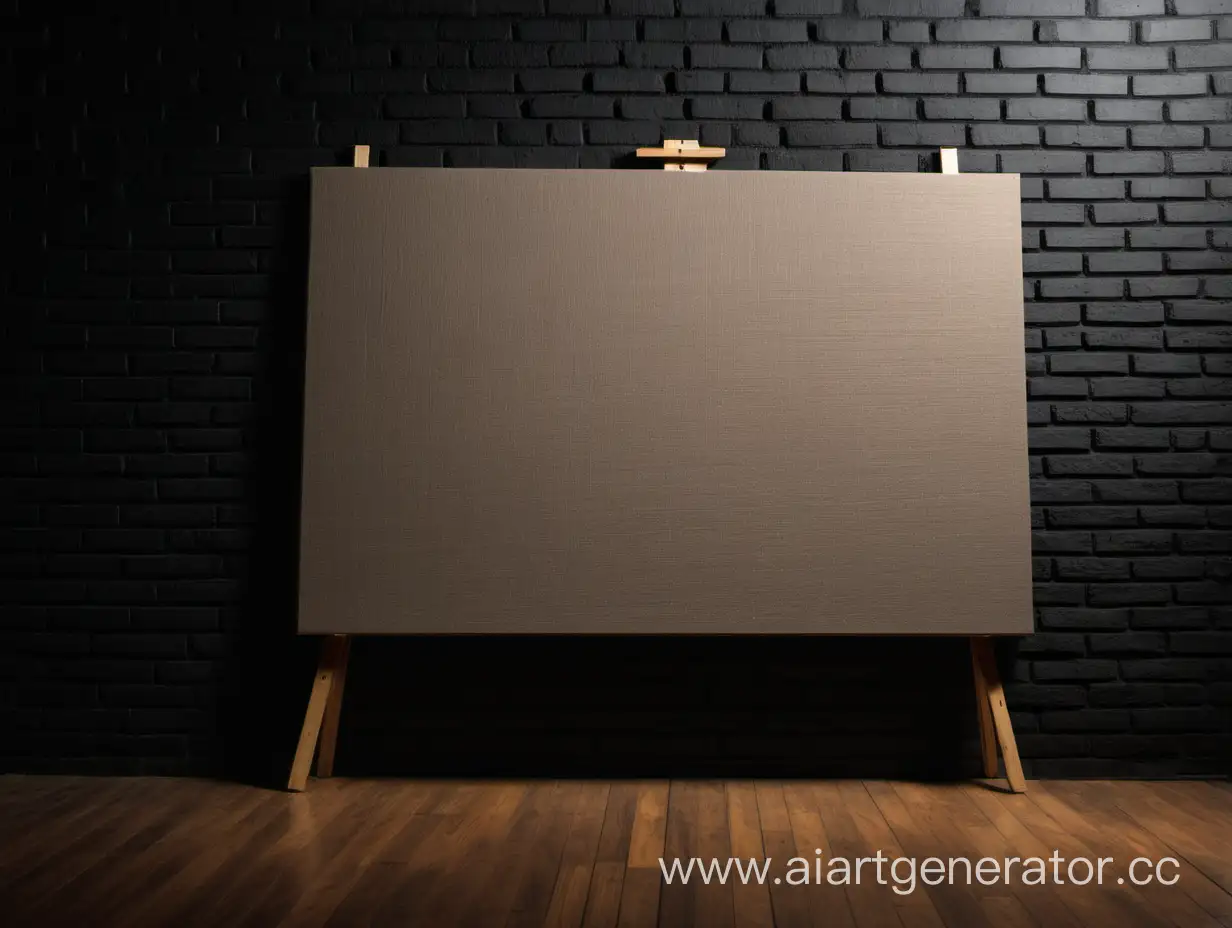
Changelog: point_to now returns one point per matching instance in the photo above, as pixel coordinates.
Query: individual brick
(1091, 620)
(720, 8)
(1050, 439)
(1132, 439)
(877, 58)
(1187, 413)
(882, 108)
(654, 55)
(611, 30)
(1125, 263)
(725, 56)
(567, 106)
(910, 8)
(1219, 312)
(956, 59)
(913, 32)
(1071, 136)
(882, 161)
(1167, 238)
(923, 134)
(1167, 188)
(1175, 30)
(1137, 491)
(1201, 212)
(1169, 85)
(804, 160)
(1130, 7)
(514, 54)
(1210, 110)
(763, 82)
(767, 30)
(1086, 189)
(1085, 31)
(1136, 313)
(1088, 363)
(1128, 110)
(998, 135)
(830, 135)
(1164, 286)
(1086, 85)
(540, 80)
(639, 8)
(1032, 8)
(726, 106)
(1158, 364)
(1194, 464)
(996, 83)
(842, 84)
(963, 109)
(1145, 162)
(801, 57)
(979, 30)
(1053, 213)
(547, 30)
(621, 80)
(1133, 542)
(1125, 387)
(1043, 162)
(681, 30)
(805, 8)
(1087, 569)
(850, 30)
(1211, 55)
(1090, 412)
(1040, 58)
(820, 108)
(1127, 59)
(1200, 7)
(1053, 313)
(624, 132)
(1125, 213)
(1201, 162)
(1046, 110)
(1167, 568)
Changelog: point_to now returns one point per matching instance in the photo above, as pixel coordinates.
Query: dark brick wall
(156, 167)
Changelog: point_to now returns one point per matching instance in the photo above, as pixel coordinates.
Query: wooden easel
(325, 703)
(995, 728)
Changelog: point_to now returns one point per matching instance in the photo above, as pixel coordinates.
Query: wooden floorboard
(567, 854)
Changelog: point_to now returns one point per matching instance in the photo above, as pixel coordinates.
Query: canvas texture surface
(640, 402)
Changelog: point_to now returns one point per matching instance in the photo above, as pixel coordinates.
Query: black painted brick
(1128, 59)
(1084, 30)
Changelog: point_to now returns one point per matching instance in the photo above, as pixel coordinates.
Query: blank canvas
(659, 402)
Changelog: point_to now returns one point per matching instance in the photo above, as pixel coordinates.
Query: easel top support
(683, 155)
(949, 161)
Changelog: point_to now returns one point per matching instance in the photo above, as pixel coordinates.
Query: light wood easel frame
(320, 730)
(995, 728)
(325, 702)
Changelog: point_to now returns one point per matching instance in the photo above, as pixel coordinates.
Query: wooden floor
(135, 852)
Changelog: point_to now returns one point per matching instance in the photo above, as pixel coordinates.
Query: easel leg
(994, 715)
(988, 735)
(333, 709)
(333, 657)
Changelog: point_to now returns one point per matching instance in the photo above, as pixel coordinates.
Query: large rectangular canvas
(638, 401)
